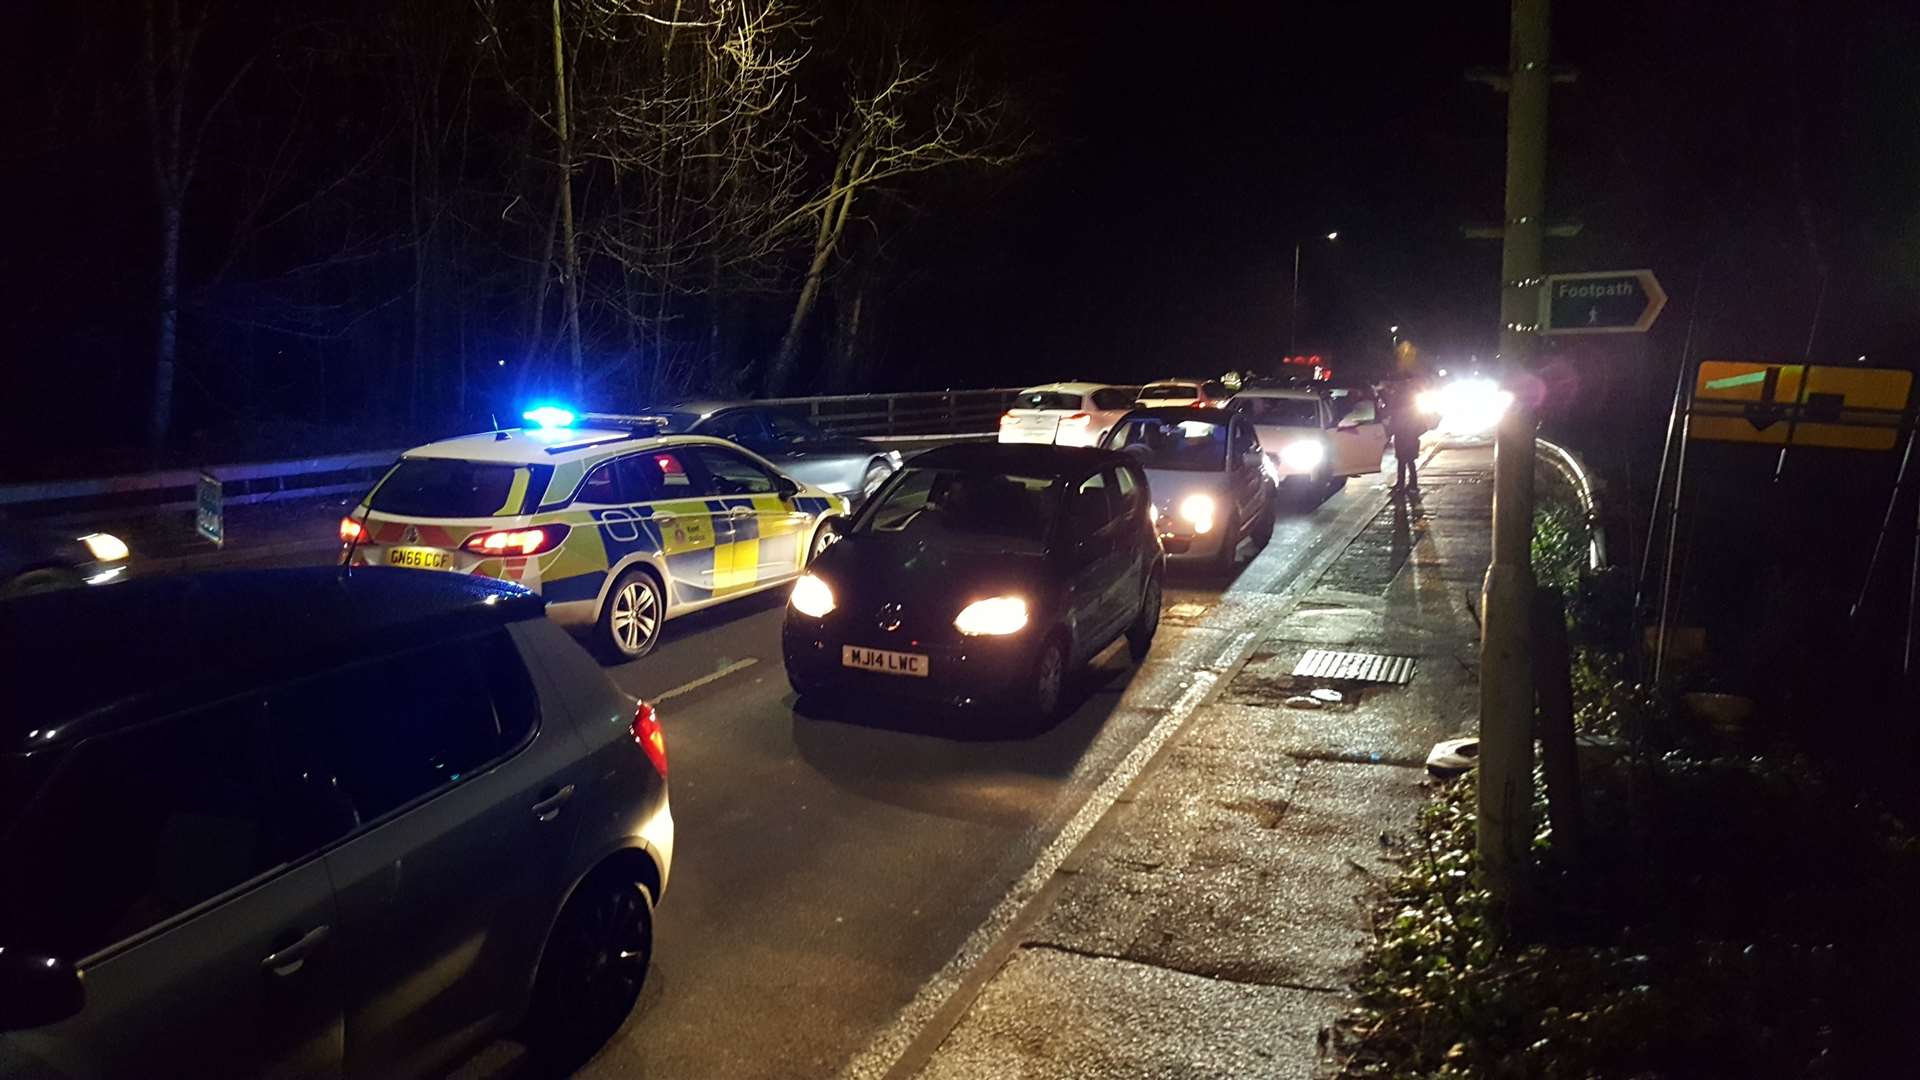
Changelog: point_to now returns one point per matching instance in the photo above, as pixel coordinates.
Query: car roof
(1180, 414)
(1031, 459)
(549, 446)
(1295, 393)
(1179, 380)
(1074, 387)
(81, 661)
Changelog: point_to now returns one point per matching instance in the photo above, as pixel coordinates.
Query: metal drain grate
(1354, 667)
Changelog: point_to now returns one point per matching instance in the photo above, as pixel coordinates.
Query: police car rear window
(445, 488)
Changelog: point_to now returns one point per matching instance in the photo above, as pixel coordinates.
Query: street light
(1293, 305)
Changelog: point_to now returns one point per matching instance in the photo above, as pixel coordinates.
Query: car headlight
(995, 615)
(1303, 455)
(812, 597)
(1198, 511)
(105, 547)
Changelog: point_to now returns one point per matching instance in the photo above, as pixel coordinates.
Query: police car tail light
(352, 531)
(993, 616)
(517, 542)
(651, 737)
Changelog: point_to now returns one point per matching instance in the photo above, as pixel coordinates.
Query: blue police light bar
(548, 416)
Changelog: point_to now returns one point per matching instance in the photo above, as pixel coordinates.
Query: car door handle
(290, 960)
(664, 519)
(549, 808)
(741, 512)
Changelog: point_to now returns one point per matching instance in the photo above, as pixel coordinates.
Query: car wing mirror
(786, 487)
(36, 989)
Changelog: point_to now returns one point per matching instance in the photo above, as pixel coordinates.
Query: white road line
(886, 1049)
(688, 688)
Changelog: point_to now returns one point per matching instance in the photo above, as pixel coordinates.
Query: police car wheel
(631, 621)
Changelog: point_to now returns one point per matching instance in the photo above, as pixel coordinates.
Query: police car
(620, 526)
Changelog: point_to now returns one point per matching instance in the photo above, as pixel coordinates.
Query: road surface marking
(688, 688)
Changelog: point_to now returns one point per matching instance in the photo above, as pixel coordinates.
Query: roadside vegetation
(1734, 910)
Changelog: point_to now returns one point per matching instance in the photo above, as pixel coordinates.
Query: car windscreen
(966, 504)
(448, 488)
(1188, 445)
(1169, 392)
(1279, 411)
(1047, 399)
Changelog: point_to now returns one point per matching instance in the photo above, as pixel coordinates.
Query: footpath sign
(1601, 302)
(1848, 408)
(209, 519)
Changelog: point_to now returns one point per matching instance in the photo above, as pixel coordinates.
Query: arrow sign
(1601, 302)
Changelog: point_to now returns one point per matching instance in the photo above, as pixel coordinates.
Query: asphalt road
(827, 867)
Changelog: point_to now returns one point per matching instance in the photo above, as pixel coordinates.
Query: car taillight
(352, 531)
(1080, 419)
(1006, 418)
(517, 542)
(653, 740)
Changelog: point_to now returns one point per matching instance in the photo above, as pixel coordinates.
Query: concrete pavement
(1210, 924)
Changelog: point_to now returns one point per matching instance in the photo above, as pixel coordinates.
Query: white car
(1183, 393)
(1306, 438)
(1066, 413)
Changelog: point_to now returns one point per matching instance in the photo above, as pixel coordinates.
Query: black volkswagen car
(981, 574)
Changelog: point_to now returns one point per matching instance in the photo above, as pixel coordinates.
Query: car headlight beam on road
(812, 597)
(994, 616)
(105, 547)
(1303, 455)
(1198, 511)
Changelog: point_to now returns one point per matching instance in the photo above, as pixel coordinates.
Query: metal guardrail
(1567, 464)
(884, 416)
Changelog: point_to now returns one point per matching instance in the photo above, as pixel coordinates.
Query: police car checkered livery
(619, 527)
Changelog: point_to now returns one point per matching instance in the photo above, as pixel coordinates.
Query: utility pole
(1504, 833)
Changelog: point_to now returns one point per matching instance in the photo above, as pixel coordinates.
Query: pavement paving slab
(1063, 1016)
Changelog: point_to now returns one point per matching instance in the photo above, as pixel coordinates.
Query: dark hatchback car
(313, 824)
(981, 574)
(841, 464)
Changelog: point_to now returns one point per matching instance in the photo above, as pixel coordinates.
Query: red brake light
(652, 739)
(1077, 418)
(1006, 418)
(352, 530)
(517, 542)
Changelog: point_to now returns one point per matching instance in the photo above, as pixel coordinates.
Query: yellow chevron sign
(1848, 408)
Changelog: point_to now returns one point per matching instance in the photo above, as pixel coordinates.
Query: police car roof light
(548, 416)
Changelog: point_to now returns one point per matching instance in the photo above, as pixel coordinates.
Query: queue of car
(365, 819)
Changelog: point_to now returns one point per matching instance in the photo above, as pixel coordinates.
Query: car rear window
(1287, 412)
(1047, 399)
(447, 488)
(1169, 392)
(1185, 445)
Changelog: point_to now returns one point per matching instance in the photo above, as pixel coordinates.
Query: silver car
(841, 464)
(1213, 488)
(316, 823)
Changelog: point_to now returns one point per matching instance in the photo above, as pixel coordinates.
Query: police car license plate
(420, 558)
(880, 660)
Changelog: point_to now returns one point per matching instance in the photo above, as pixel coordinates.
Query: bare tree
(907, 120)
(168, 43)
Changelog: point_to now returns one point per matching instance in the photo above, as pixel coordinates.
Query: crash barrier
(887, 417)
(1568, 465)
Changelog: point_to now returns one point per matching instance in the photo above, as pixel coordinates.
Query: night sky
(1178, 152)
